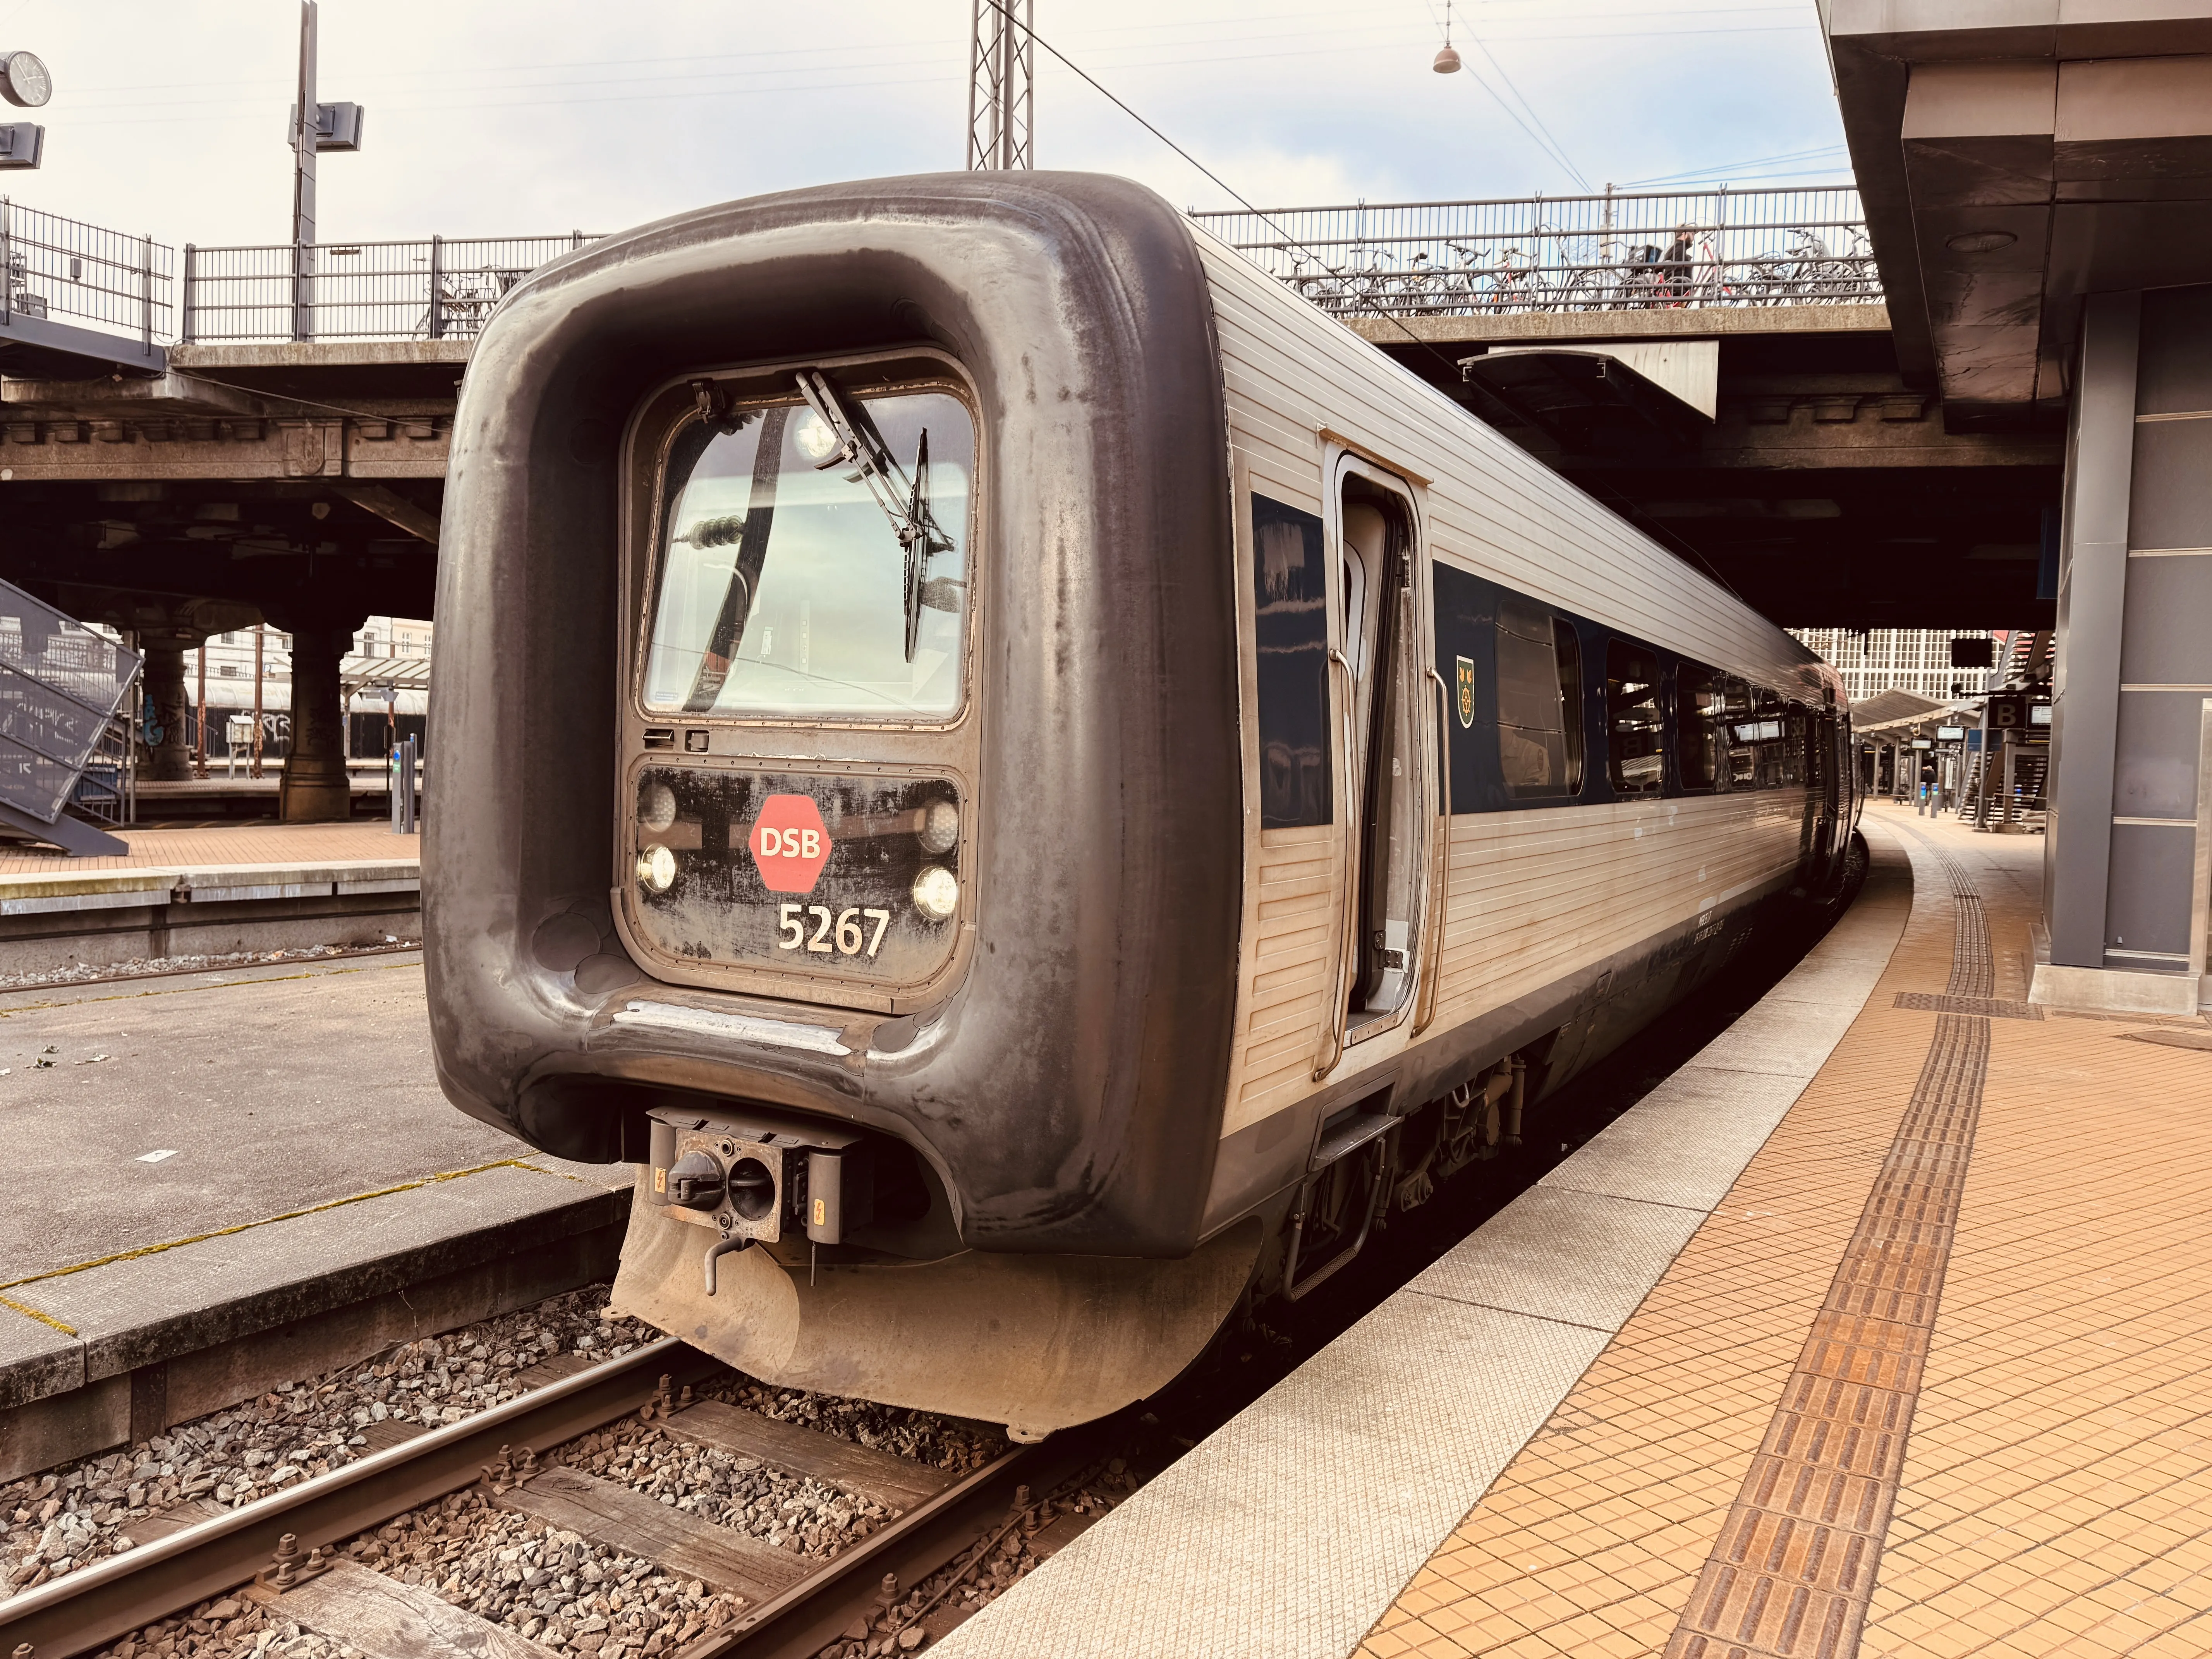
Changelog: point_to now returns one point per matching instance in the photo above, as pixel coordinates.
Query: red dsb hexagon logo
(790, 843)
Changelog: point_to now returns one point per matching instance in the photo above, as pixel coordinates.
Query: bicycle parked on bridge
(464, 301)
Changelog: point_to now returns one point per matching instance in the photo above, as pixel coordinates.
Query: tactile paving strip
(1935, 1002)
(1793, 1570)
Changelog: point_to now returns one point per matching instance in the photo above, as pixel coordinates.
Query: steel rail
(811, 1614)
(89, 1609)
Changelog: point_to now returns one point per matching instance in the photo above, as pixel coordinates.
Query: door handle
(1333, 1045)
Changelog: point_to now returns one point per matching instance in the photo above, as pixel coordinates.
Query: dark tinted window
(1290, 628)
(1633, 725)
(1761, 740)
(1798, 727)
(1746, 735)
(1699, 703)
(1539, 739)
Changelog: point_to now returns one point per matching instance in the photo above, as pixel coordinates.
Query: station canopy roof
(360, 674)
(1886, 706)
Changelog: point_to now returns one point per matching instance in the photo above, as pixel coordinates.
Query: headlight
(936, 893)
(656, 807)
(940, 827)
(656, 868)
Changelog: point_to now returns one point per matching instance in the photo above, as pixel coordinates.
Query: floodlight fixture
(337, 127)
(22, 144)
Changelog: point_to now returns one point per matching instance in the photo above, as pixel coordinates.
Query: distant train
(1035, 784)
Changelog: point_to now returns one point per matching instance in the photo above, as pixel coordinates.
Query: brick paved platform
(225, 844)
(1924, 1373)
(1931, 1381)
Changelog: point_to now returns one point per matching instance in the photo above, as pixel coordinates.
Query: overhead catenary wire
(1743, 167)
(1539, 135)
(224, 111)
(1234, 194)
(1239, 28)
(1559, 150)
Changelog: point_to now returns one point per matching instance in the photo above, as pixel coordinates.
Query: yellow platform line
(248, 1226)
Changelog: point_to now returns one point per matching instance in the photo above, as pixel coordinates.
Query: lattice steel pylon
(1001, 85)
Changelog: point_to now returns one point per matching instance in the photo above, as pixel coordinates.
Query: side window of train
(1290, 604)
(1700, 705)
(1745, 736)
(1540, 676)
(1758, 739)
(1799, 763)
(1635, 727)
(1774, 763)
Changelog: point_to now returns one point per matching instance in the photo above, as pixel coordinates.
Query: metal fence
(52, 267)
(1609, 253)
(439, 290)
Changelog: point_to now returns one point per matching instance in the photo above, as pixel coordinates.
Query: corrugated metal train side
(1559, 918)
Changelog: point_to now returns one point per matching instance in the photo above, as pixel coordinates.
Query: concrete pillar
(169, 760)
(2134, 656)
(2093, 568)
(314, 789)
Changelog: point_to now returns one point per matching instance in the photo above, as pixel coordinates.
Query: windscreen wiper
(749, 530)
(904, 501)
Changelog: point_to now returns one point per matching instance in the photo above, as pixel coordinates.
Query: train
(1037, 787)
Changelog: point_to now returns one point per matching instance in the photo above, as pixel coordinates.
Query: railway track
(858, 1601)
(288, 1550)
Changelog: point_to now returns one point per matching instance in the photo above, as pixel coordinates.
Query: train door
(1813, 739)
(1381, 714)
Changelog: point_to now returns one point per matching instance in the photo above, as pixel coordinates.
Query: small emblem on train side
(790, 843)
(1465, 695)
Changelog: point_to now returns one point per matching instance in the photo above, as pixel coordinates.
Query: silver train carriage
(1034, 784)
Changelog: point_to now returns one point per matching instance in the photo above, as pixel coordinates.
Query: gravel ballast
(566, 1593)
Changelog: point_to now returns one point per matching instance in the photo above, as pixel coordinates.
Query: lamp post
(260, 634)
(315, 127)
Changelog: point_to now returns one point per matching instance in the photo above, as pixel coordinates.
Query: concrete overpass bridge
(1721, 368)
(188, 438)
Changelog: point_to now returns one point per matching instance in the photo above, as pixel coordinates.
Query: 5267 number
(846, 930)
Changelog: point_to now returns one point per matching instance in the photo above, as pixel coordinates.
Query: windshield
(784, 589)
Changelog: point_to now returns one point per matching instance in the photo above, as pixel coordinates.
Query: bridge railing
(1611, 252)
(52, 267)
(441, 289)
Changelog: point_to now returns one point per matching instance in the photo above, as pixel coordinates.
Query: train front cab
(837, 602)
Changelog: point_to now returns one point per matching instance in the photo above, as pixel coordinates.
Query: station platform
(205, 896)
(221, 1181)
(227, 844)
(1880, 1328)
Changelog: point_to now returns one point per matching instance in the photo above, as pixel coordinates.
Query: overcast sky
(494, 117)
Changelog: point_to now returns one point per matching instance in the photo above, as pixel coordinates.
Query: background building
(372, 720)
(1915, 659)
